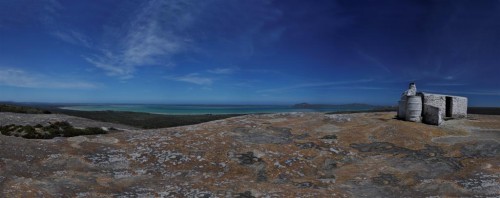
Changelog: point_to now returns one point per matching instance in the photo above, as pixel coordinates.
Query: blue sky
(248, 51)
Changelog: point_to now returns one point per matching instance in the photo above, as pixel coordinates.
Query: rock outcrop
(273, 155)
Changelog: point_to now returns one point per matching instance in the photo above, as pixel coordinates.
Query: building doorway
(449, 106)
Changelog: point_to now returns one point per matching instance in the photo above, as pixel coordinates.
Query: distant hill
(484, 110)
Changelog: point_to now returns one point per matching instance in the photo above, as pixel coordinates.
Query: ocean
(212, 109)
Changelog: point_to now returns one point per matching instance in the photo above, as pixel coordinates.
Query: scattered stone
(290, 161)
(327, 179)
(261, 175)
(302, 136)
(329, 164)
(204, 195)
(282, 178)
(305, 185)
(334, 150)
(329, 137)
(247, 158)
(246, 194)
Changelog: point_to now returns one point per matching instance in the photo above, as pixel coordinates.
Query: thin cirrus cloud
(73, 37)
(222, 70)
(314, 85)
(50, 18)
(193, 78)
(373, 60)
(20, 78)
(446, 84)
(149, 40)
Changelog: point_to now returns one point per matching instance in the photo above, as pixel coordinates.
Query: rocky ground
(275, 155)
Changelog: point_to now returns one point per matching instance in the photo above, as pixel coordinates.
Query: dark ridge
(484, 110)
(144, 120)
(6, 107)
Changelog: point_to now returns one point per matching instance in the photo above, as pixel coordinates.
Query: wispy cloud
(314, 85)
(375, 61)
(50, 17)
(449, 77)
(194, 78)
(50, 12)
(20, 78)
(222, 70)
(149, 39)
(111, 64)
(445, 84)
(73, 37)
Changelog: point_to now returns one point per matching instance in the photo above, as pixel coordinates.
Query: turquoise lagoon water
(209, 109)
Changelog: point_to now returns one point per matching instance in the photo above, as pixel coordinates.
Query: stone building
(430, 108)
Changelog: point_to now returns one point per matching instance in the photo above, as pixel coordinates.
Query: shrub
(21, 109)
(57, 129)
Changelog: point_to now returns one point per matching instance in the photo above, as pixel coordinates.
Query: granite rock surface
(271, 155)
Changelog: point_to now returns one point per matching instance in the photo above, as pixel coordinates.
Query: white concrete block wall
(459, 109)
(432, 115)
(438, 101)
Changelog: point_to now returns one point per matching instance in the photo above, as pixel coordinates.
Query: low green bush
(22, 109)
(56, 129)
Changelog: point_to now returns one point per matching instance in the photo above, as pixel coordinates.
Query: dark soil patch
(386, 179)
